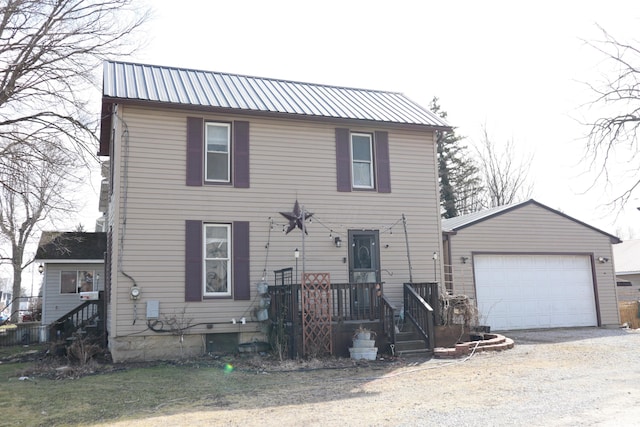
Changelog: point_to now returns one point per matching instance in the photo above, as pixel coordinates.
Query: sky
(519, 69)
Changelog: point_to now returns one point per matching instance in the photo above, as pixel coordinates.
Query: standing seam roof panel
(372, 103)
(323, 105)
(298, 100)
(184, 86)
(252, 94)
(333, 95)
(264, 95)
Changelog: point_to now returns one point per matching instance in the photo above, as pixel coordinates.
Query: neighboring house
(529, 266)
(627, 263)
(202, 164)
(73, 263)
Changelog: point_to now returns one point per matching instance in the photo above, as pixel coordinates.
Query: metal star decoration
(295, 218)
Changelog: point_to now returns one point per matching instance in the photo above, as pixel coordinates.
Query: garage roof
(626, 256)
(463, 221)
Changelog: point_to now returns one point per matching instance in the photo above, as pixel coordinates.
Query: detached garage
(529, 266)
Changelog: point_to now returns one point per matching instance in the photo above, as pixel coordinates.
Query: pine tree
(460, 182)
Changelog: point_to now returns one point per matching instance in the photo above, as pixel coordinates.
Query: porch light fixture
(602, 260)
(41, 269)
(464, 259)
(338, 241)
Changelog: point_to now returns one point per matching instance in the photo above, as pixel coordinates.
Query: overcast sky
(518, 69)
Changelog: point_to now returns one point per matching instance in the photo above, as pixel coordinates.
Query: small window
(74, 281)
(217, 159)
(217, 260)
(362, 160)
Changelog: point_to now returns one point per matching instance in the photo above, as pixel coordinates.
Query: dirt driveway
(551, 378)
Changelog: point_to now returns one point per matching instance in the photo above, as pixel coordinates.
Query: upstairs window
(217, 149)
(362, 160)
(217, 153)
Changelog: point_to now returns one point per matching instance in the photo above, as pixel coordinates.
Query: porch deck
(353, 305)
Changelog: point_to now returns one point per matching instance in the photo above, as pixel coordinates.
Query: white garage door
(534, 291)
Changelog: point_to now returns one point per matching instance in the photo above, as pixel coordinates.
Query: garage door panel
(534, 291)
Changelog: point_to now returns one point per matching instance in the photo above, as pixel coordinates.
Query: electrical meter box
(153, 309)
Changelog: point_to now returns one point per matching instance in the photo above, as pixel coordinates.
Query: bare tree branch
(505, 177)
(49, 51)
(616, 131)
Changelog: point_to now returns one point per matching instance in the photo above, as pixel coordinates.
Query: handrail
(350, 301)
(420, 313)
(77, 318)
(387, 319)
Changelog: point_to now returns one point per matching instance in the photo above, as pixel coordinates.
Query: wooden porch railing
(388, 320)
(89, 313)
(419, 311)
(350, 301)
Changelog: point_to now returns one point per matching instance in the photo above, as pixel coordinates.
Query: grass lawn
(124, 393)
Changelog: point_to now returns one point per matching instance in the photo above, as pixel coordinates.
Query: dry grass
(629, 313)
(36, 389)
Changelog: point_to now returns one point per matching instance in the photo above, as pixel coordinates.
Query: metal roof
(626, 256)
(123, 80)
(452, 224)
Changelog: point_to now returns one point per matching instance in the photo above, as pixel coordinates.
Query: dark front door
(364, 256)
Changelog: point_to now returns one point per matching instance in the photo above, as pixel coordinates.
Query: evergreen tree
(460, 182)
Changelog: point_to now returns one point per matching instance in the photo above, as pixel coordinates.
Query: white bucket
(263, 287)
(262, 314)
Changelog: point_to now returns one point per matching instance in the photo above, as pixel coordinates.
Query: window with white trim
(217, 260)
(74, 281)
(217, 148)
(362, 160)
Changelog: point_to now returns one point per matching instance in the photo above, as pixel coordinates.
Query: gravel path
(567, 377)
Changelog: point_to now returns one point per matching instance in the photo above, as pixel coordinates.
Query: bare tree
(49, 50)
(615, 133)
(504, 175)
(30, 195)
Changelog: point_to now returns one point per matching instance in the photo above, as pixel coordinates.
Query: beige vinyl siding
(57, 304)
(289, 159)
(532, 229)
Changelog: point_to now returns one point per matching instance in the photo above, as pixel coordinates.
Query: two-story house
(214, 175)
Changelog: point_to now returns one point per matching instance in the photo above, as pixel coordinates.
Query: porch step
(409, 343)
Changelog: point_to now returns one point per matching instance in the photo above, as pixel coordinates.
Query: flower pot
(363, 353)
(364, 343)
(367, 335)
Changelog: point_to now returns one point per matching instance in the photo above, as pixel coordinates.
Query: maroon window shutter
(343, 160)
(193, 261)
(383, 170)
(195, 150)
(241, 273)
(241, 154)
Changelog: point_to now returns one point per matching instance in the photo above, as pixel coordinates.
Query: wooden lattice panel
(316, 314)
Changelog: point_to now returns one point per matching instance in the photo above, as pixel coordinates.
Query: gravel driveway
(563, 377)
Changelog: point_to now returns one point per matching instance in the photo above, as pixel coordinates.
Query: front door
(364, 256)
